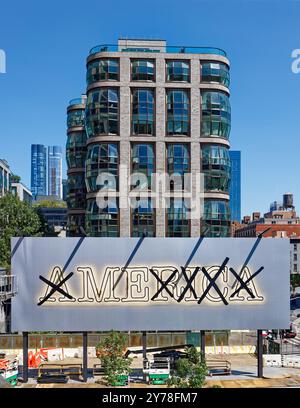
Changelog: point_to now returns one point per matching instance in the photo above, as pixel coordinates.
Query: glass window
(178, 224)
(216, 115)
(102, 158)
(102, 112)
(142, 161)
(215, 72)
(102, 70)
(75, 118)
(178, 112)
(143, 112)
(102, 222)
(143, 216)
(178, 164)
(142, 70)
(75, 221)
(216, 166)
(215, 221)
(178, 71)
(76, 191)
(76, 149)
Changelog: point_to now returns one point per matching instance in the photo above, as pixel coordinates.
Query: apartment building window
(295, 257)
(142, 70)
(178, 224)
(76, 191)
(103, 159)
(76, 149)
(143, 112)
(216, 167)
(143, 216)
(75, 118)
(215, 220)
(178, 164)
(295, 268)
(102, 112)
(178, 71)
(213, 71)
(178, 112)
(295, 247)
(143, 163)
(216, 115)
(102, 70)
(102, 222)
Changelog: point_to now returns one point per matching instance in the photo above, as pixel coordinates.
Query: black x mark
(244, 284)
(55, 288)
(188, 283)
(163, 284)
(212, 282)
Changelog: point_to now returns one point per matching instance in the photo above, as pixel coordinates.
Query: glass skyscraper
(235, 185)
(55, 171)
(38, 170)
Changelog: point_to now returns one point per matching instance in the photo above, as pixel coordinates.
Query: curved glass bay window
(143, 223)
(216, 116)
(178, 224)
(215, 221)
(216, 168)
(76, 191)
(102, 222)
(178, 121)
(143, 112)
(75, 118)
(102, 70)
(142, 70)
(76, 150)
(215, 72)
(178, 163)
(102, 158)
(142, 161)
(102, 112)
(178, 71)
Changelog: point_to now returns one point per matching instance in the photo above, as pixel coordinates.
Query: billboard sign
(98, 284)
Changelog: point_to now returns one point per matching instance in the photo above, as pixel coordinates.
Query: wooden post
(25, 357)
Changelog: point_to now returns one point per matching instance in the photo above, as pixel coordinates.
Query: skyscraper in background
(55, 171)
(38, 170)
(235, 185)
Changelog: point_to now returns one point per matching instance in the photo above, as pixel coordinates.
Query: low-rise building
(5, 176)
(20, 190)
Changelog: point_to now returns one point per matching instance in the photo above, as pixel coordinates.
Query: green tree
(190, 372)
(15, 179)
(295, 280)
(111, 350)
(17, 218)
(50, 204)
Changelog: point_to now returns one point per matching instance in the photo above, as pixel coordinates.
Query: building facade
(235, 185)
(151, 108)
(5, 177)
(21, 191)
(55, 171)
(38, 170)
(76, 156)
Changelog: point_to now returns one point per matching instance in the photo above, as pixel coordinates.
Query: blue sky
(46, 44)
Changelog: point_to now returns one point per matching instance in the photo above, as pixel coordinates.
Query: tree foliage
(190, 372)
(111, 350)
(50, 204)
(295, 280)
(17, 218)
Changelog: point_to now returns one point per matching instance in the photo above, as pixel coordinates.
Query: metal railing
(174, 49)
(77, 101)
(8, 286)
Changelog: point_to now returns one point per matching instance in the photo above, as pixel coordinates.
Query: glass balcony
(172, 49)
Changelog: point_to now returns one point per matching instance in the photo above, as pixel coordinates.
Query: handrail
(175, 49)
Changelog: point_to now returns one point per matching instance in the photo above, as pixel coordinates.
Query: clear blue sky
(46, 43)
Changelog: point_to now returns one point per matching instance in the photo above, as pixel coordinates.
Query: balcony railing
(77, 101)
(8, 287)
(169, 49)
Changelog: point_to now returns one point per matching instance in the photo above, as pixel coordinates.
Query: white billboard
(95, 284)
